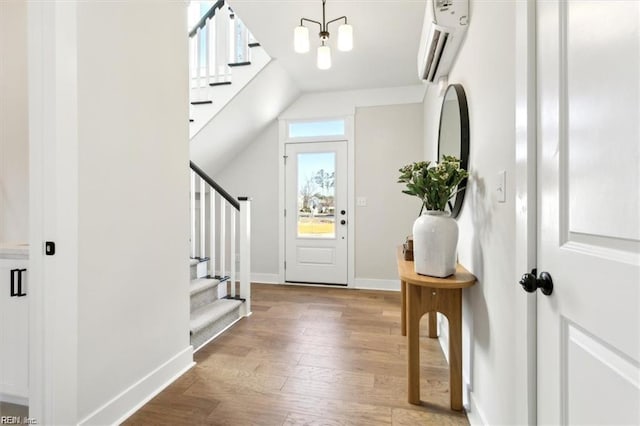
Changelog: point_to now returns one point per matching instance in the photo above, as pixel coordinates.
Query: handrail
(214, 185)
(203, 21)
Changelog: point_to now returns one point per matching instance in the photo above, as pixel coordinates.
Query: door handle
(13, 291)
(530, 283)
(20, 292)
(343, 222)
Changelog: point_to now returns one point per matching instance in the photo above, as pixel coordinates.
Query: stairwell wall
(254, 173)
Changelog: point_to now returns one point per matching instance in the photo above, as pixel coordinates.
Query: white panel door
(316, 212)
(589, 212)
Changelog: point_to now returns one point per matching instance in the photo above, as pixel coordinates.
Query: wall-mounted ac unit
(445, 24)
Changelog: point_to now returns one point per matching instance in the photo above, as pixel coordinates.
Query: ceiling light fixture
(301, 38)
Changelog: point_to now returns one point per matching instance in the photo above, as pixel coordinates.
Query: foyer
(312, 356)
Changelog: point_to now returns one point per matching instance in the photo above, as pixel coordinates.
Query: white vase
(435, 239)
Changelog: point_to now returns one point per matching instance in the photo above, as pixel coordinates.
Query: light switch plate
(501, 187)
(361, 201)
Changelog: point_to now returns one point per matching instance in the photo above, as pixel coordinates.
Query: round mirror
(453, 136)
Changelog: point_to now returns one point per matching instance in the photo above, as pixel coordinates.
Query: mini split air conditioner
(445, 24)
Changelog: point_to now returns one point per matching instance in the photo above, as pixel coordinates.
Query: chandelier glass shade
(301, 42)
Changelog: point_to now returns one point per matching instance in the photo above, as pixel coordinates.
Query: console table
(421, 295)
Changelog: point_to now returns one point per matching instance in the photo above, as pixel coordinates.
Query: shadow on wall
(475, 302)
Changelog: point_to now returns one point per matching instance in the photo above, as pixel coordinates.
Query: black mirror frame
(464, 142)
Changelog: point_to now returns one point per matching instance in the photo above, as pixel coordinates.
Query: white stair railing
(218, 231)
(217, 40)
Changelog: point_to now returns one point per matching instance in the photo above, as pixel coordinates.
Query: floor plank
(308, 356)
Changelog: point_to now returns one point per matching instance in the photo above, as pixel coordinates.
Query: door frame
(283, 139)
(526, 209)
(53, 211)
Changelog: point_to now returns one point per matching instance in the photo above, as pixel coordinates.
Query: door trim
(349, 138)
(53, 209)
(525, 210)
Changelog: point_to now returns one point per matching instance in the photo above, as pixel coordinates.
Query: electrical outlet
(361, 201)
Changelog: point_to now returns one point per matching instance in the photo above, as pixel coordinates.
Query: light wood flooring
(308, 356)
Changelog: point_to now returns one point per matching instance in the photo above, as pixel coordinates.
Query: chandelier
(301, 38)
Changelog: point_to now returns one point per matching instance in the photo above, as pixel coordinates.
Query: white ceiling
(385, 34)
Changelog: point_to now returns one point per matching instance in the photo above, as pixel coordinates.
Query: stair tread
(195, 261)
(210, 313)
(202, 284)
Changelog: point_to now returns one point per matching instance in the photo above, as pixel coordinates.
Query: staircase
(222, 62)
(220, 289)
(223, 58)
(210, 315)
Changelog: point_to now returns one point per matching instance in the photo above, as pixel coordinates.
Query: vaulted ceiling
(385, 32)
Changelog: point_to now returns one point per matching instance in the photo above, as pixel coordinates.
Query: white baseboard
(257, 277)
(474, 414)
(131, 399)
(376, 284)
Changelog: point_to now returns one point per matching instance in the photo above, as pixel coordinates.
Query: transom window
(307, 129)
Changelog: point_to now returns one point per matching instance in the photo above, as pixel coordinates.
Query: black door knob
(343, 222)
(343, 212)
(530, 283)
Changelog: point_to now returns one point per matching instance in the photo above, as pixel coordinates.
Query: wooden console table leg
(414, 312)
(455, 349)
(433, 324)
(403, 312)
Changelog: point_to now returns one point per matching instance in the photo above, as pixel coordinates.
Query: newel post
(245, 253)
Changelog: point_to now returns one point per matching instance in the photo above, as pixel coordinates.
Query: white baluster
(203, 211)
(212, 232)
(192, 195)
(206, 57)
(211, 31)
(214, 47)
(232, 250)
(245, 253)
(245, 43)
(198, 65)
(222, 41)
(233, 57)
(222, 236)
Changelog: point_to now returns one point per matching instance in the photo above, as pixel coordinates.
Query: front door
(316, 212)
(588, 332)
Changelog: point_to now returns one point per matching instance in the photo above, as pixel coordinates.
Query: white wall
(243, 118)
(254, 173)
(486, 69)
(14, 146)
(340, 103)
(387, 138)
(397, 123)
(133, 230)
